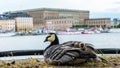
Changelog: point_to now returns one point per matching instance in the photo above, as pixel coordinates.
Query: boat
(115, 30)
(87, 32)
(69, 33)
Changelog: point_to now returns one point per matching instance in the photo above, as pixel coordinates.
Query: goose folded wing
(64, 54)
(73, 52)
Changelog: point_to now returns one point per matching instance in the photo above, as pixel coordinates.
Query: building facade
(98, 22)
(24, 23)
(61, 19)
(2, 25)
(10, 25)
(59, 23)
(7, 25)
(41, 16)
(16, 21)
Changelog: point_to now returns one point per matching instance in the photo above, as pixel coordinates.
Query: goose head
(52, 37)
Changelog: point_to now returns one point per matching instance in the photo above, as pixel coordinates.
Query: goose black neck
(56, 42)
(52, 43)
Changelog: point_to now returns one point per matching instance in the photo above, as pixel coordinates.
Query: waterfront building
(10, 25)
(24, 23)
(59, 23)
(60, 19)
(7, 25)
(2, 25)
(17, 21)
(98, 22)
(43, 16)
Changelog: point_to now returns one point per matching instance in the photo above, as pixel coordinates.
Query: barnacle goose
(71, 52)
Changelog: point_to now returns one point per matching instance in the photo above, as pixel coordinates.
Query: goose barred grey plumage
(70, 52)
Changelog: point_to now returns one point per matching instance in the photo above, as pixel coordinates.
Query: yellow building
(10, 25)
(24, 23)
(18, 24)
(16, 21)
(2, 25)
(7, 25)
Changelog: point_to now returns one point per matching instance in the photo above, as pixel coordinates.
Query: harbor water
(102, 40)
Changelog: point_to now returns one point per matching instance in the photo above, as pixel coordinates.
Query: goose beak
(45, 40)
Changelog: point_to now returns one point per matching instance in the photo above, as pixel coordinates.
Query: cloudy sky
(97, 8)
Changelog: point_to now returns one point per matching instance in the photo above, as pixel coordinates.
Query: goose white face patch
(51, 38)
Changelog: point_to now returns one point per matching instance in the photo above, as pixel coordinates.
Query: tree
(80, 26)
(118, 26)
(115, 20)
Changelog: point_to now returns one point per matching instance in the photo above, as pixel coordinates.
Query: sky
(97, 8)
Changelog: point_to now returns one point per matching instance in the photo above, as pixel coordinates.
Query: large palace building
(61, 19)
(57, 19)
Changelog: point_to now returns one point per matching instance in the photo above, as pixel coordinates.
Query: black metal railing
(40, 52)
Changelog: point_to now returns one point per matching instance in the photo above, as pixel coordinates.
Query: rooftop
(11, 15)
(55, 9)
